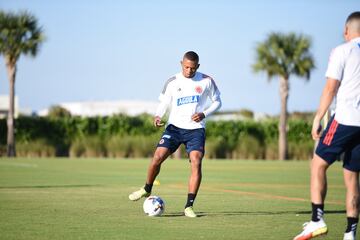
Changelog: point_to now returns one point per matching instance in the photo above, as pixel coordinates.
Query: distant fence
(125, 136)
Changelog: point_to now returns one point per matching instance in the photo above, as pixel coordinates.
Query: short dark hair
(192, 56)
(354, 15)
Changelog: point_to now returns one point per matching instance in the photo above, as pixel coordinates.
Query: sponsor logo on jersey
(187, 100)
(198, 89)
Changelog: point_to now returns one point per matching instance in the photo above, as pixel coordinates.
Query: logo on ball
(154, 206)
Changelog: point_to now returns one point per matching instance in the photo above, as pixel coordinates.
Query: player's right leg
(160, 155)
(168, 144)
(318, 186)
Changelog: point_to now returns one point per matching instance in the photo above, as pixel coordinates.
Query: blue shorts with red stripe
(173, 137)
(338, 139)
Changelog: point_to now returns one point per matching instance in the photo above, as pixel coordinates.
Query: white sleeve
(165, 100)
(214, 96)
(213, 107)
(161, 109)
(336, 64)
(214, 93)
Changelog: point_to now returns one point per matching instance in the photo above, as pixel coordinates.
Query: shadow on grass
(50, 186)
(236, 213)
(177, 214)
(268, 212)
(181, 214)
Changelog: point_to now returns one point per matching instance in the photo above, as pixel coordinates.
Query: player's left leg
(351, 180)
(194, 181)
(195, 143)
(318, 187)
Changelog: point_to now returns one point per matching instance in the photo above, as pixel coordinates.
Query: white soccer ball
(154, 206)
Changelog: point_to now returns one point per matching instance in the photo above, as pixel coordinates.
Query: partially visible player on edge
(342, 134)
(186, 94)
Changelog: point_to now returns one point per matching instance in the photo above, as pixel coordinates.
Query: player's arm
(197, 117)
(334, 74)
(326, 99)
(214, 96)
(160, 112)
(165, 100)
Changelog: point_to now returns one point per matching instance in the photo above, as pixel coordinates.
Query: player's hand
(157, 122)
(316, 129)
(197, 117)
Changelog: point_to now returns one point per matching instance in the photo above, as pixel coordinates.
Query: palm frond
(283, 55)
(19, 34)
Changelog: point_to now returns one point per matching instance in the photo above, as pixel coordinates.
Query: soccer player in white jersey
(342, 134)
(186, 95)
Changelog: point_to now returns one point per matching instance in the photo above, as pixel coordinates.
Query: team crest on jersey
(161, 141)
(187, 100)
(198, 89)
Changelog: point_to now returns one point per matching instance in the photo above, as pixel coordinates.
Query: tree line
(125, 136)
(280, 55)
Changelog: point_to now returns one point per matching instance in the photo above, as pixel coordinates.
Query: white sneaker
(312, 229)
(189, 212)
(349, 236)
(138, 194)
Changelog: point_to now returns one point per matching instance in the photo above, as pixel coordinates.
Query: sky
(126, 50)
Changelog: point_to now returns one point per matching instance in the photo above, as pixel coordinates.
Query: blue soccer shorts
(338, 139)
(173, 137)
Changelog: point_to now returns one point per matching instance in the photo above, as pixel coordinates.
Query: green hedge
(124, 136)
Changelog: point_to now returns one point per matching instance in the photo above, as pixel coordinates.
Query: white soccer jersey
(344, 66)
(187, 96)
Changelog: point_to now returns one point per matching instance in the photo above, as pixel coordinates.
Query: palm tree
(282, 55)
(19, 34)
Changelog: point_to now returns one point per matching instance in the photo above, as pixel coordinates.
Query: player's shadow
(239, 213)
(180, 214)
(266, 213)
(326, 212)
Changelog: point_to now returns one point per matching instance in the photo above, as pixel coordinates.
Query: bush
(132, 146)
(216, 148)
(249, 147)
(118, 146)
(143, 146)
(58, 112)
(91, 146)
(77, 149)
(272, 150)
(36, 148)
(301, 150)
(3, 150)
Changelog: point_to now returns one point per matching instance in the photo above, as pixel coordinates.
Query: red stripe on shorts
(330, 134)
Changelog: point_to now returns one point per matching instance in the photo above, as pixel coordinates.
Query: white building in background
(106, 108)
(4, 106)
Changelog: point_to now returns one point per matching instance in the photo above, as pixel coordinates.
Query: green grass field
(88, 199)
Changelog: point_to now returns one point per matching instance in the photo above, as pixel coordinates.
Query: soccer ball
(154, 206)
